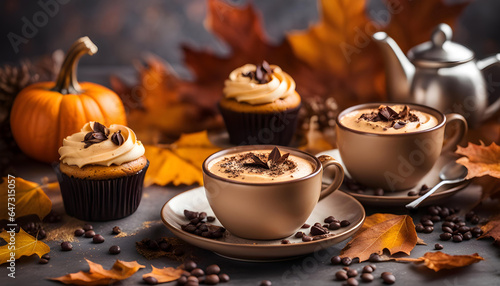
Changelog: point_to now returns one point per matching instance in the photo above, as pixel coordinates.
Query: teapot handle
(484, 64)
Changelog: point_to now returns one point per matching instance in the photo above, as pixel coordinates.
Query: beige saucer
(338, 204)
(401, 198)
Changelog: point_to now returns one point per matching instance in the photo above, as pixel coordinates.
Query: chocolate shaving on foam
(262, 73)
(274, 159)
(385, 113)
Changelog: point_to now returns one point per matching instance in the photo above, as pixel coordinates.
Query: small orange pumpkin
(44, 113)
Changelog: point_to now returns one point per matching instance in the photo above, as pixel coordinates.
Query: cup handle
(453, 141)
(327, 161)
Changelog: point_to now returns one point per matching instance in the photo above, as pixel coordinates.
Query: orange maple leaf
(492, 229)
(165, 274)
(439, 260)
(395, 233)
(25, 245)
(480, 160)
(29, 198)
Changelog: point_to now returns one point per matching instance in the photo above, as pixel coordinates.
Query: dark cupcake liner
(275, 128)
(101, 200)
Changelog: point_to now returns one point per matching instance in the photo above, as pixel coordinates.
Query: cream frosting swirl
(245, 89)
(105, 153)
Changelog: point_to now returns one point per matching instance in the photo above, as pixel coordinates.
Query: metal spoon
(451, 173)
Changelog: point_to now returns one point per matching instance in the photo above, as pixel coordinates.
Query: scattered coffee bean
(335, 260)
(299, 234)
(150, 280)
(334, 226)
(476, 231)
(87, 227)
(329, 219)
(419, 227)
(306, 238)
(182, 280)
(352, 282)
(43, 261)
(190, 214)
(46, 256)
(305, 225)
(428, 229)
(318, 230)
(445, 236)
(384, 274)
(345, 223)
(66, 246)
(116, 230)
(197, 272)
(352, 273)
(224, 277)
(285, 241)
(192, 281)
(457, 238)
(265, 283)
(373, 266)
(367, 277)
(341, 275)
(89, 233)
(378, 192)
(211, 279)
(212, 269)
(427, 222)
(467, 235)
(164, 246)
(436, 218)
(189, 265)
(346, 261)
(367, 269)
(463, 229)
(374, 257)
(79, 232)
(475, 220)
(210, 218)
(389, 278)
(438, 246)
(447, 229)
(114, 249)
(198, 226)
(98, 238)
(412, 193)
(469, 215)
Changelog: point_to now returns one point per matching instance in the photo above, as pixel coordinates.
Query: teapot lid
(440, 50)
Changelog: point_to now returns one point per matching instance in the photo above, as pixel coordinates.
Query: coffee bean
(46, 256)
(153, 245)
(463, 229)
(305, 225)
(89, 233)
(150, 280)
(98, 238)
(341, 275)
(116, 230)
(190, 214)
(419, 227)
(475, 220)
(334, 226)
(367, 269)
(352, 273)
(224, 277)
(189, 265)
(467, 235)
(306, 238)
(412, 193)
(186, 273)
(378, 192)
(114, 249)
(87, 227)
(461, 223)
(432, 210)
(212, 269)
(373, 266)
(438, 246)
(346, 261)
(164, 246)
(447, 229)
(265, 283)
(469, 215)
(211, 279)
(427, 222)
(66, 246)
(384, 274)
(476, 231)
(335, 260)
(445, 236)
(317, 224)
(345, 268)
(285, 241)
(428, 229)
(374, 257)
(448, 224)
(436, 218)
(329, 219)
(352, 282)
(299, 234)
(345, 223)
(182, 280)
(79, 232)
(43, 261)
(389, 279)
(318, 230)
(192, 280)
(210, 218)
(202, 215)
(197, 272)
(367, 277)
(457, 238)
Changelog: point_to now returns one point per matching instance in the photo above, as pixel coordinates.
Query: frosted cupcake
(260, 105)
(101, 172)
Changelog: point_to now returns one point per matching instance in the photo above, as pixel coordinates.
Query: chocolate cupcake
(260, 105)
(101, 172)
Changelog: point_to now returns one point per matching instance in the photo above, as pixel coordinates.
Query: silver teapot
(438, 73)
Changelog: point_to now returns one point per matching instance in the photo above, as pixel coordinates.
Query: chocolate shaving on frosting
(117, 138)
(262, 73)
(99, 134)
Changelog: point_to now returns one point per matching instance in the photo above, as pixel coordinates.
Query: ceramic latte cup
(393, 148)
(256, 202)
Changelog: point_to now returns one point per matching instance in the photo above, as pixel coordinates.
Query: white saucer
(401, 198)
(338, 204)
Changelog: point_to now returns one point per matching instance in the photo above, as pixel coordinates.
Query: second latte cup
(270, 210)
(395, 162)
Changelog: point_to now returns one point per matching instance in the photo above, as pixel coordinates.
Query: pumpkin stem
(66, 80)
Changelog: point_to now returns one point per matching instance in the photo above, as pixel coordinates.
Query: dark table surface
(312, 269)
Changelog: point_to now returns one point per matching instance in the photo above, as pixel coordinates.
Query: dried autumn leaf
(480, 160)
(25, 245)
(439, 260)
(180, 162)
(165, 274)
(396, 233)
(29, 199)
(492, 229)
(97, 275)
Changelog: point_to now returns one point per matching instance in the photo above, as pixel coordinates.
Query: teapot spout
(399, 70)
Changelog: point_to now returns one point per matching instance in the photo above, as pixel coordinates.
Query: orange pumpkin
(44, 113)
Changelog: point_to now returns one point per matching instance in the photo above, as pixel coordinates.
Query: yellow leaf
(23, 245)
(97, 275)
(395, 233)
(439, 260)
(29, 199)
(165, 274)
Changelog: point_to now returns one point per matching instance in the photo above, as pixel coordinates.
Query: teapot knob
(441, 34)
